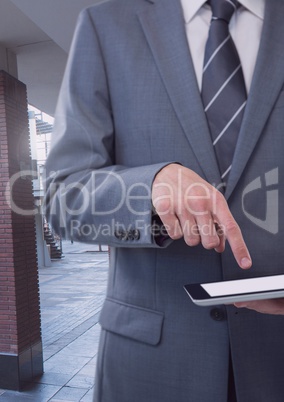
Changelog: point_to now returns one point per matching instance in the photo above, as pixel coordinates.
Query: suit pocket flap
(134, 322)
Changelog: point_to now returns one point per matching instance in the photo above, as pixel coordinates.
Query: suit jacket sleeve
(89, 196)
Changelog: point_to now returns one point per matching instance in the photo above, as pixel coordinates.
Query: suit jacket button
(120, 234)
(218, 314)
(117, 234)
(136, 234)
(130, 235)
(124, 235)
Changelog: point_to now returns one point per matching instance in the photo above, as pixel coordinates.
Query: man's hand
(190, 207)
(271, 306)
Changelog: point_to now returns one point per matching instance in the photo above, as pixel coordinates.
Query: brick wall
(20, 334)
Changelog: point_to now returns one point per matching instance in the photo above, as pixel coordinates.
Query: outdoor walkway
(72, 291)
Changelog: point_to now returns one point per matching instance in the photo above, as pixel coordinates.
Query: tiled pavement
(71, 292)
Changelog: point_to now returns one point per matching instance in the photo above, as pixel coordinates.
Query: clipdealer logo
(266, 185)
(271, 221)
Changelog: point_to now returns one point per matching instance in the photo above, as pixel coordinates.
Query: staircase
(53, 241)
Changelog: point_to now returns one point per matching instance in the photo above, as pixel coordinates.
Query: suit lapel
(163, 25)
(266, 85)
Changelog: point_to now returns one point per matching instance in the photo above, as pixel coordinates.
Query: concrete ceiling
(39, 33)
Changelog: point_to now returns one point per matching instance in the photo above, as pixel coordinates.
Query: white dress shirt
(245, 28)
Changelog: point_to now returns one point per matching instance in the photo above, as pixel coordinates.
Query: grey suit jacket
(129, 105)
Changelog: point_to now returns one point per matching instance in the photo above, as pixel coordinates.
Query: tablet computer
(228, 292)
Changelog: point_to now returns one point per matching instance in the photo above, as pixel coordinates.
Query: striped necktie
(223, 88)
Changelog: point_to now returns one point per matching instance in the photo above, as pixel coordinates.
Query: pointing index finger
(235, 238)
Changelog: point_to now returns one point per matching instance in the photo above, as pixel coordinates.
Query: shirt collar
(190, 7)
(257, 7)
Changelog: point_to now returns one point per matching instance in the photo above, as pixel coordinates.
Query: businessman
(165, 150)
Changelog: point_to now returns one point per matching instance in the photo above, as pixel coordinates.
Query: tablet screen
(244, 286)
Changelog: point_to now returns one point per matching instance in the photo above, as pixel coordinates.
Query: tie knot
(223, 9)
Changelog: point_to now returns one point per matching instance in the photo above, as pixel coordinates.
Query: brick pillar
(20, 333)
